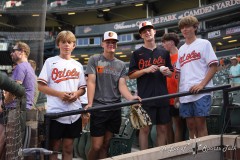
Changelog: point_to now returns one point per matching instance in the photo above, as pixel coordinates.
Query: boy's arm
(124, 90)
(91, 85)
(212, 70)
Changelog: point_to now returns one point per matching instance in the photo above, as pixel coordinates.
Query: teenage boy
(62, 80)
(197, 63)
(170, 42)
(106, 82)
(145, 66)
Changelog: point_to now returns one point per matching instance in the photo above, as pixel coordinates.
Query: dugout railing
(49, 116)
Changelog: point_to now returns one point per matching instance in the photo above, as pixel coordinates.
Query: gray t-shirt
(108, 73)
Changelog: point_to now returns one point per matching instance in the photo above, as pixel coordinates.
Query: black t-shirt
(151, 84)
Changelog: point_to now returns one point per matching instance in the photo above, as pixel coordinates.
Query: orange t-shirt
(172, 83)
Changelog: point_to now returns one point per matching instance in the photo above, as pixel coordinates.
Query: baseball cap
(110, 35)
(145, 24)
(233, 58)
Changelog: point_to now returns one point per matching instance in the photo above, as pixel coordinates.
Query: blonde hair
(65, 36)
(188, 21)
(23, 46)
(33, 64)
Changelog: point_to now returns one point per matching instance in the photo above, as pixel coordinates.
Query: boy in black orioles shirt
(144, 66)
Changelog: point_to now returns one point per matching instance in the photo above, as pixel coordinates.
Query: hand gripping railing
(49, 116)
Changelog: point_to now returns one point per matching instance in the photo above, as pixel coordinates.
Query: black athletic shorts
(158, 115)
(102, 121)
(174, 112)
(59, 130)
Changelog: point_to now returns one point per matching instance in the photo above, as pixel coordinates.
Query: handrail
(118, 105)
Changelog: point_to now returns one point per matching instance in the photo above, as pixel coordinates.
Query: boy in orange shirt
(170, 42)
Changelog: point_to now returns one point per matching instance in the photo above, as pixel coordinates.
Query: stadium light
(106, 10)
(231, 41)
(227, 37)
(71, 13)
(138, 4)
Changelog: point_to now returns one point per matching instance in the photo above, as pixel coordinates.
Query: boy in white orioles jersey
(197, 64)
(62, 80)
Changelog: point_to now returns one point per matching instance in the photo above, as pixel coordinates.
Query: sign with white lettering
(233, 30)
(203, 12)
(214, 34)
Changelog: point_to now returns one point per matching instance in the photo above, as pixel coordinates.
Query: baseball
(177, 105)
(162, 68)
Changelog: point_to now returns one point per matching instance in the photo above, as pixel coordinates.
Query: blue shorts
(199, 108)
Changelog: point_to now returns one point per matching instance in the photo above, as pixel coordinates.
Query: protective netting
(11, 130)
(22, 20)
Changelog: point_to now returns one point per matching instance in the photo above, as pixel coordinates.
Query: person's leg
(201, 126)
(97, 131)
(162, 131)
(68, 138)
(104, 149)
(144, 132)
(143, 137)
(186, 110)
(170, 133)
(192, 128)
(54, 146)
(163, 119)
(96, 144)
(56, 132)
(201, 110)
(67, 149)
(177, 121)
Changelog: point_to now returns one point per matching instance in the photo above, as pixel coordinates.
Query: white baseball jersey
(65, 76)
(193, 64)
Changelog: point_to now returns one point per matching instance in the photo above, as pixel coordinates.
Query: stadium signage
(203, 12)
(3, 46)
(233, 30)
(214, 34)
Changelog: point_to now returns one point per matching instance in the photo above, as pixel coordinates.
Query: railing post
(47, 121)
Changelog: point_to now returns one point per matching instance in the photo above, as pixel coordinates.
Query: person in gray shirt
(106, 83)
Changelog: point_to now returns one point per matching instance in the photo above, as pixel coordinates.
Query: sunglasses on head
(15, 49)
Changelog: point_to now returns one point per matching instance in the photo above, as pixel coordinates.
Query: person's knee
(144, 131)
(68, 149)
(201, 127)
(96, 148)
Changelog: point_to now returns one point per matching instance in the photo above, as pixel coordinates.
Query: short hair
(33, 64)
(65, 36)
(23, 46)
(188, 21)
(171, 36)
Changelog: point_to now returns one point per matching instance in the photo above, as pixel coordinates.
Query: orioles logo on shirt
(189, 57)
(100, 69)
(59, 76)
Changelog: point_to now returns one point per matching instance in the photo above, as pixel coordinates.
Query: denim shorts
(199, 108)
